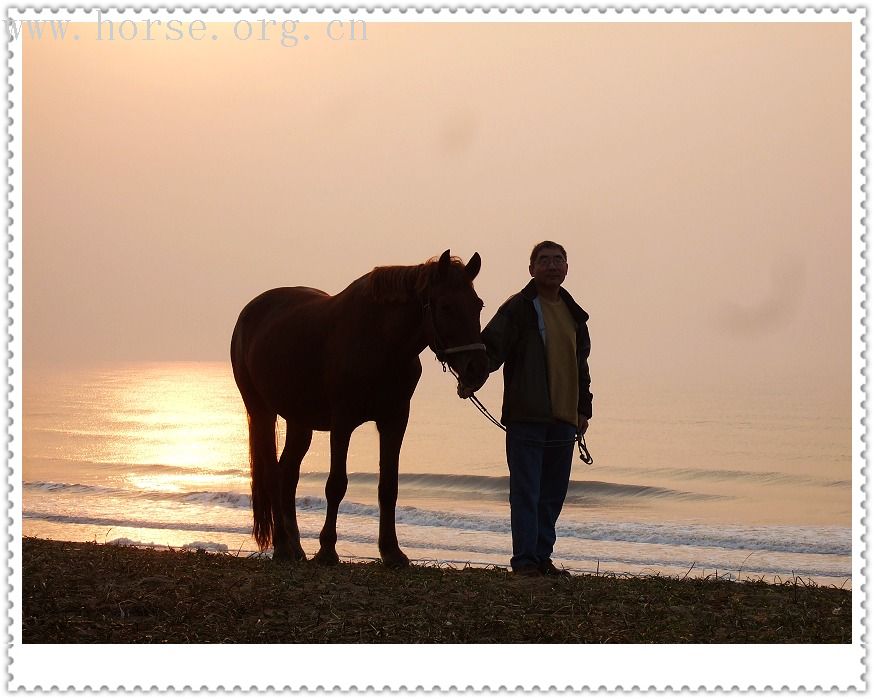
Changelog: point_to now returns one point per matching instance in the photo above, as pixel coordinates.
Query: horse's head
(454, 325)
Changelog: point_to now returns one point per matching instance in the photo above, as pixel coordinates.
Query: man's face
(549, 268)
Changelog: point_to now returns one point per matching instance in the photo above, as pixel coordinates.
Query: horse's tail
(262, 459)
(262, 441)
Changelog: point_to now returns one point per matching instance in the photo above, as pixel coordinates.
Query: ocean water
(747, 486)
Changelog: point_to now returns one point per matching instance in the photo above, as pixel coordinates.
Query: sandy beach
(76, 592)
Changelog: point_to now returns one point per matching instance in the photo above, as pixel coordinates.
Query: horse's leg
(335, 489)
(297, 442)
(391, 435)
(282, 550)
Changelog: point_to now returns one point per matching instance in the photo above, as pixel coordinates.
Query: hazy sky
(699, 175)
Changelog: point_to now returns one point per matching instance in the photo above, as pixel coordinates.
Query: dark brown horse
(335, 362)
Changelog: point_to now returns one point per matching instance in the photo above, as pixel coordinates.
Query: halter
(439, 353)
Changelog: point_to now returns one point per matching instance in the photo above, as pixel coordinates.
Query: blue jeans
(539, 456)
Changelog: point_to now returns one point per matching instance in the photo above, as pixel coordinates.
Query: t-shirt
(561, 360)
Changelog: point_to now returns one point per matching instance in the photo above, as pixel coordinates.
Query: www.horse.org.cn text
(288, 33)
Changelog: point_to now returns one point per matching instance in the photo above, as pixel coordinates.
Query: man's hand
(583, 424)
(464, 391)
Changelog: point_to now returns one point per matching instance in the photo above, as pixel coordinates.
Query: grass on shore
(93, 593)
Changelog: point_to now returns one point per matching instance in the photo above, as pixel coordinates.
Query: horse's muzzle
(472, 367)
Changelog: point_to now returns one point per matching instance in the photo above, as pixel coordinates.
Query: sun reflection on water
(178, 426)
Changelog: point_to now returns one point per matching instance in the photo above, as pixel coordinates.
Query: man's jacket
(513, 338)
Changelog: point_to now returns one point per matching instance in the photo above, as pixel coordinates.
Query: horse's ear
(443, 265)
(472, 267)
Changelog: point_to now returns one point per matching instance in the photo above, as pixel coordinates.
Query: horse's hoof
(326, 558)
(288, 555)
(396, 559)
(281, 556)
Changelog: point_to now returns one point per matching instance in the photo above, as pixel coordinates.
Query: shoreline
(743, 568)
(78, 592)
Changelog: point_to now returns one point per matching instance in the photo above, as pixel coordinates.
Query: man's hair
(547, 244)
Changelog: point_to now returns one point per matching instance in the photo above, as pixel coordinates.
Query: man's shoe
(549, 568)
(528, 571)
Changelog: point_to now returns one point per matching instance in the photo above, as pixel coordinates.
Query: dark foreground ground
(92, 593)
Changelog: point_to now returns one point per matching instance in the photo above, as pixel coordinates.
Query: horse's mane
(396, 283)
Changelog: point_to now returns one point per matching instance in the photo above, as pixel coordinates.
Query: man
(540, 337)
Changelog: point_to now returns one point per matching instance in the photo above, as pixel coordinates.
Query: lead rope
(580, 439)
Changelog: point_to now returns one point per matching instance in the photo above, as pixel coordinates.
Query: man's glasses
(545, 261)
